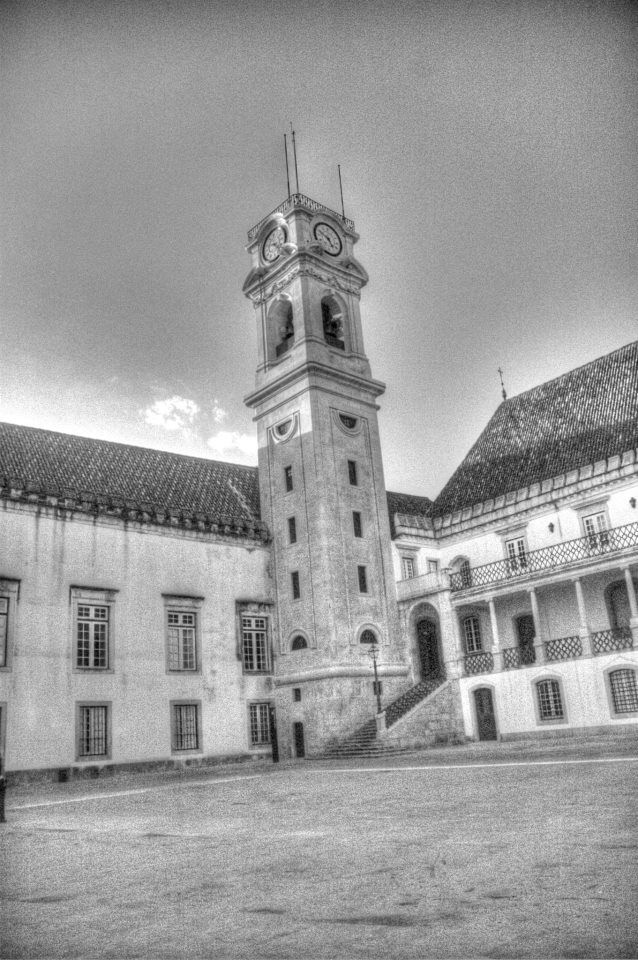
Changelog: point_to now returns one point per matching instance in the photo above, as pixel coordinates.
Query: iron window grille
(299, 642)
(352, 473)
(254, 632)
(550, 704)
(92, 637)
(185, 726)
(624, 691)
(259, 724)
(4, 629)
(182, 644)
(363, 579)
(93, 732)
(472, 634)
(296, 694)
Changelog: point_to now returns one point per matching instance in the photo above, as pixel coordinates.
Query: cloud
(175, 413)
(232, 445)
(219, 414)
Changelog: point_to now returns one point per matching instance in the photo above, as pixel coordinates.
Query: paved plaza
(437, 855)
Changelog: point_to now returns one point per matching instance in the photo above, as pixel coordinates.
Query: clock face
(328, 238)
(273, 244)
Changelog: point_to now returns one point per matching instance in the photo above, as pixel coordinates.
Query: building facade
(163, 609)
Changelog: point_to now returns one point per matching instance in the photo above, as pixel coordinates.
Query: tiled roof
(60, 465)
(406, 504)
(582, 417)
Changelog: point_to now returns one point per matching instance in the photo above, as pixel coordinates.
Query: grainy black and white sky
(489, 158)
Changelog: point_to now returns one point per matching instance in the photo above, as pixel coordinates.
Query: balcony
(423, 585)
(603, 544)
(560, 648)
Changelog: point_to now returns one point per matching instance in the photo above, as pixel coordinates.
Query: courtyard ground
(446, 854)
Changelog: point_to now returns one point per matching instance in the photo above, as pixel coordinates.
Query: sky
(489, 160)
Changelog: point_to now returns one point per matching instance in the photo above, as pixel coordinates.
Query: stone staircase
(365, 742)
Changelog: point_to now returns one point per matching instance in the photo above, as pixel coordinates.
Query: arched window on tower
(332, 318)
(281, 327)
(286, 331)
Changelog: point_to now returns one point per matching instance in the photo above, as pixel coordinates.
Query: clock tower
(321, 477)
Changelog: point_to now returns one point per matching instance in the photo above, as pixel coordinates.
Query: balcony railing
(564, 648)
(518, 657)
(421, 586)
(299, 200)
(481, 662)
(617, 638)
(570, 551)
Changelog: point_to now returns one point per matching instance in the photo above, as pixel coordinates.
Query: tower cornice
(317, 371)
(262, 284)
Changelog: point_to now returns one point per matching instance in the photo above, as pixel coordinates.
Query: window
(254, 633)
(92, 731)
(352, 473)
(516, 554)
(92, 637)
(363, 579)
(185, 726)
(259, 714)
(465, 573)
(624, 692)
(299, 643)
(332, 324)
(288, 478)
(4, 630)
(296, 694)
(182, 646)
(408, 567)
(356, 523)
(292, 530)
(294, 580)
(472, 634)
(433, 566)
(595, 527)
(550, 704)
(367, 637)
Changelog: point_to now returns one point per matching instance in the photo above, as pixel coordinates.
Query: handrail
(569, 551)
(299, 200)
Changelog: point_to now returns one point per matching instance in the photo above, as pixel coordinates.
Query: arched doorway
(485, 715)
(618, 605)
(429, 647)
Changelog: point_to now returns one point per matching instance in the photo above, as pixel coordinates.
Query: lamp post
(372, 652)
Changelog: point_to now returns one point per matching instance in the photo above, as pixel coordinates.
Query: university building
(158, 608)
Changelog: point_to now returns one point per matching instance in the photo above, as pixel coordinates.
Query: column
(583, 630)
(633, 603)
(497, 653)
(539, 646)
(452, 649)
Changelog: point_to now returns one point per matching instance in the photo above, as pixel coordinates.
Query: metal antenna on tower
(294, 153)
(287, 170)
(343, 212)
(502, 384)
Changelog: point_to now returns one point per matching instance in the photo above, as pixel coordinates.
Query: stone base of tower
(312, 714)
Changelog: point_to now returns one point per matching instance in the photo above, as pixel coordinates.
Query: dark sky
(488, 153)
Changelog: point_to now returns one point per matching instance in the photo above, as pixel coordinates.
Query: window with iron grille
(408, 567)
(294, 581)
(4, 630)
(93, 732)
(296, 694)
(472, 634)
(595, 528)
(185, 726)
(288, 478)
(299, 642)
(362, 575)
(259, 714)
(292, 530)
(92, 636)
(357, 526)
(182, 639)
(550, 704)
(352, 473)
(624, 691)
(254, 637)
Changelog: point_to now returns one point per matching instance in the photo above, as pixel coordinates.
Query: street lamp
(373, 650)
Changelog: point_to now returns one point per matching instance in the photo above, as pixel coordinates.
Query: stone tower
(321, 477)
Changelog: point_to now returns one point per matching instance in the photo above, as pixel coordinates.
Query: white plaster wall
(41, 688)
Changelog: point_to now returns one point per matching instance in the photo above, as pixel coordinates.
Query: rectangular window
(182, 644)
(550, 704)
(363, 579)
(433, 566)
(185, 726)
(624, 691)
(292, 530)
(254, 636)
(516, 554)
(296, 694)
(356, 524)
(259, 724)
(4, 630)
(93, 738)
(472, 633)
(595, 527)
(408, 567)
(294, 579)
(288, 478)
(352, 473)
(92, 637)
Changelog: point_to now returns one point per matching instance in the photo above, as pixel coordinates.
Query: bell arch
(281, 326)
(334, 321)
